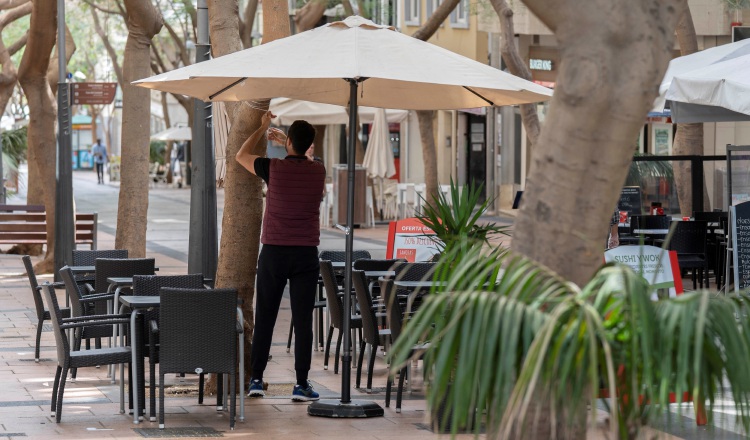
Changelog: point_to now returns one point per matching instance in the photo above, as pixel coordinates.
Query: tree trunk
(243, 206)
(426, 118)
(689, 137)
(42, 150)
(517, 67)
(320, 135)
(309, 15)
(583, 153)
(9, 74)
(170, 144)
(144, 21)
(248, 20)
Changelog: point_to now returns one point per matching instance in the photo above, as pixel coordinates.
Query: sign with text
(630, 201)
(411, 240)
(93, 93)
(741, 244)
(657, 266)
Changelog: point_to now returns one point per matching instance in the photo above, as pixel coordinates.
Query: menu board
(741, 244)
(630, 201)
(411, 240)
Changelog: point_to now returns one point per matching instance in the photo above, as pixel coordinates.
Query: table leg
(134, 363)
(241, 341)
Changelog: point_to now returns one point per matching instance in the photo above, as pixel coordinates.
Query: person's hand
(310, 153)
(276, 135)
(266, 119)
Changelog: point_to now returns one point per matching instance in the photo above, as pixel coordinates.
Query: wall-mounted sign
(537, 64)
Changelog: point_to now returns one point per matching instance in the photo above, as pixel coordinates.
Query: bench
(27, 224)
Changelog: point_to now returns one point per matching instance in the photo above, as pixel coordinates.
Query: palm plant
(14, 144)
(533, 337)
(455, 219)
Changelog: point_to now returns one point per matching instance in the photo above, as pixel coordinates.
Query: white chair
(326, 205)
(420, 189)
(370, 208)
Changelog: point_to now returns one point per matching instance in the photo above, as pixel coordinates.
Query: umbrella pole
(346, 407)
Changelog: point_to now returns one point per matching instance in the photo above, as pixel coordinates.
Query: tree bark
(320, 134)
(517, 67)
(689, 137)
(248, 20)
(583, 153)
(9, 74)
(42, 150)
(426, 118)
(144, 21)
(309, 15)
(243, 206)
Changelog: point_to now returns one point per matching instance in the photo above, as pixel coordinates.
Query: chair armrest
(94, 318)
(92, 323)
(154, 326)
(89, 288)
(98, 297)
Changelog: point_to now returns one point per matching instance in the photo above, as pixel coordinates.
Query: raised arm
(248, 153)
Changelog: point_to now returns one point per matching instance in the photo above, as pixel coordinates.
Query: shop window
(432, 5)
(460, 15)
(411, 14)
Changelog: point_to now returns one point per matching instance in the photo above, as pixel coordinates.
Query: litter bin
(340, 191)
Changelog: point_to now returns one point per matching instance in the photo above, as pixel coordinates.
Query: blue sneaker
(304, 394)
(256, 389)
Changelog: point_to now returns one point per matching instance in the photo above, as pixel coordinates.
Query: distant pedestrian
(291, 234)
(99, 152)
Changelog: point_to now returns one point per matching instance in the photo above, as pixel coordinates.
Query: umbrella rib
(211, 97)
(480, 96)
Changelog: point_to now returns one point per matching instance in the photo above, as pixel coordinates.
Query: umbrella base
(336, 409)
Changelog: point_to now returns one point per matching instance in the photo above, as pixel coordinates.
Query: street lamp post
(203, 240)
(64, 225)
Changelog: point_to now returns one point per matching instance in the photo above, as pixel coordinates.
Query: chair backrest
(150, 285)
(364, 299)
(395, 317)
(710, 217)
(370, 264)
(340, 256)
(689, 237)
(415, 271)
(61, 340)
(120, 267)
(655, 222)
(198, 330)
(88, 257)
(34, 286)
(335, 307)
(73, 290)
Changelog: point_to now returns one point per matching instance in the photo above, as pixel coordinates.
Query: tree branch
(432, 24)
(182, 50)
(108, 46)
(14, 14)
(247, 22)
(105, 10)
(9, 4)
(18, 44)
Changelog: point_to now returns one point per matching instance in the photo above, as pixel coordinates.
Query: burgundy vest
(292, 216)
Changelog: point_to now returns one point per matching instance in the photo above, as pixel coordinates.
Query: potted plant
(529, 337)
(737, 6)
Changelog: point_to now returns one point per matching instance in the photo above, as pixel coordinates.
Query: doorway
(476, 145)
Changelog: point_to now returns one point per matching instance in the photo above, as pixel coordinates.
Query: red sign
(93, 93)
(411, 240)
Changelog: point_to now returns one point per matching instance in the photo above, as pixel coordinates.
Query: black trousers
(100, 171)
(276, 265)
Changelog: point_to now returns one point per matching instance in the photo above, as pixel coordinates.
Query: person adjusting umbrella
(291, 234)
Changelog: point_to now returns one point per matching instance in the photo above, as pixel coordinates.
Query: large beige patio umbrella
(351, 62)
(289, 110)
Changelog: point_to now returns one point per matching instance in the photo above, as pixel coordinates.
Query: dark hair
(98, 141)
(302, 135)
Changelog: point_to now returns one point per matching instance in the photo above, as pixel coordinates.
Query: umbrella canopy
(289, 110)
(174, 134)
(707, 86)
(379, 155)
(396, 70)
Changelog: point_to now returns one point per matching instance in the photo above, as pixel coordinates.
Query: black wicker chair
(395, 323)
(150, 285)
(336, 309)
(67, 359)
(371, 334)
(87, 257)
(42, 314)
(198, 330)
(411, 272)
(689, 241)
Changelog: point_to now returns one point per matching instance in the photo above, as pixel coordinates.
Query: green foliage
(14, 146)
(456, 220)
(530, 335)
(156, 152)
(639, 171)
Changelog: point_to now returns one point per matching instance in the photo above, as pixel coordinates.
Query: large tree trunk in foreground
(583, 152)
(689, 137)
(42, 150)
(243, 206)
(144, 21)
(517, 67)
(427, 118)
